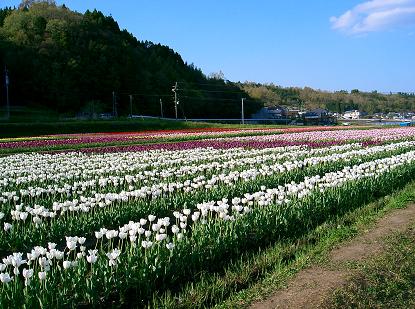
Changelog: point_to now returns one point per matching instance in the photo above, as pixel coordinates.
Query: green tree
(62, 60)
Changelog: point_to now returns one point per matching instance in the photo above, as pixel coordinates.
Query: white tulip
(91, 259)
(27, 273)
(5, 278)
(42, 275)
(175, 229)
(122, 235)
(66, 264)
(59, 255)
(23, 216)
(146, 244)
(98, 235)
(155, 227)
(170, 246)
(160, 237)
(7, 226)
(71, 245)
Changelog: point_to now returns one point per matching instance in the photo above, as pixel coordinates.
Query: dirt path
(311, 286)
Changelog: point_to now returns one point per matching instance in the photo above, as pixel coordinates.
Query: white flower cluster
(74, 172)
(156, 174)
(381, 134)
(101, 200)
(31, 168)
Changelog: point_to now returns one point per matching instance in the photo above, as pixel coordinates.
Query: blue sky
(330, 45)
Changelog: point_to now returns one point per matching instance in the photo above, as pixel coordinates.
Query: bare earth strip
(311, 286)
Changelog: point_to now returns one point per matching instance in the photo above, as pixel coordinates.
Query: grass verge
(21, 129)
(387, 281)
(256, 275)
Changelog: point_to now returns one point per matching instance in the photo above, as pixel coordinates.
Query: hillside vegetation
(69, 62)
(339, 101)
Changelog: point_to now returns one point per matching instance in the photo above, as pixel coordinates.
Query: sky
(328, 45)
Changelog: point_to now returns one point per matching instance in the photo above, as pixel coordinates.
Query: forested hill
(338, 101)
(70, 62)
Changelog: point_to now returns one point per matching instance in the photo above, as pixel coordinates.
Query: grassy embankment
(21, 129)
(386, 281)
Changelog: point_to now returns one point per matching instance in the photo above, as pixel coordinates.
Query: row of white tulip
(40, 168)
(34, 215)
(21, 170)
(381, 134)
(174, 173)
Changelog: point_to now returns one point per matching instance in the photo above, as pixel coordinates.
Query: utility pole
(175, 99)
(6, 77)
(242, 111)
(161, 108)
(131, 105)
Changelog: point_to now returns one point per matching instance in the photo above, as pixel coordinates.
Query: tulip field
(124, 220)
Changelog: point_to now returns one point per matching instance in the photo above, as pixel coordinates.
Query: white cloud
(376, 15)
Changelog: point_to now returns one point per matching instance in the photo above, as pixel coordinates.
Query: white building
(355, 114)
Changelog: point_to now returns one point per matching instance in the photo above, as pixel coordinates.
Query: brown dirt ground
(311, 286)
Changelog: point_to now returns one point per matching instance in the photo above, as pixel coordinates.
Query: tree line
(338, 101)
(69, 62)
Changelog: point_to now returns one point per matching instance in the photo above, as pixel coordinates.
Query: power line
(215, 99)
(207, 84)
(182, 96)
(145, 95)
(213, 91)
